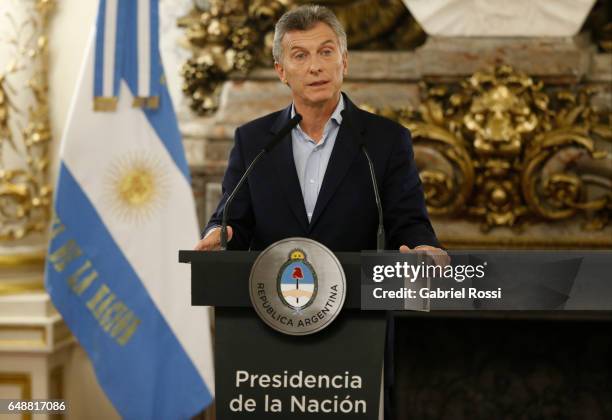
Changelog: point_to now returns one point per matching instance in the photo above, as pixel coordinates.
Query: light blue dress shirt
(311, 158)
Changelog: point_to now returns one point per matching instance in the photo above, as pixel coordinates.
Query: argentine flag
(123, 209)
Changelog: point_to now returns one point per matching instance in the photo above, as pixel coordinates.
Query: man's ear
(280, 70)
(345, 63)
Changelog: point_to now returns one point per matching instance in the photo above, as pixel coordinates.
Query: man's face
(312, 65)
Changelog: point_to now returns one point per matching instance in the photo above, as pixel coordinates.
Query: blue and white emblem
(297, 281)
(288, 294)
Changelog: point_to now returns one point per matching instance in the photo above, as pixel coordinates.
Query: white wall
(71, 26)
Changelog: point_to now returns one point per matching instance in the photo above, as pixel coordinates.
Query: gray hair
(302, 19)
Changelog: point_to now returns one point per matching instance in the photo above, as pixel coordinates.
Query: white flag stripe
(144, 48)
(171, 226)
(110, 36)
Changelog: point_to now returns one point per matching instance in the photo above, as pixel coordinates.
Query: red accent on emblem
(297, 273)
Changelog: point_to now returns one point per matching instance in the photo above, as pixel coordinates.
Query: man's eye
(299, 56)
(326, 52)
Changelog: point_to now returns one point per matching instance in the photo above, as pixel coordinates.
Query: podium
(260, 373)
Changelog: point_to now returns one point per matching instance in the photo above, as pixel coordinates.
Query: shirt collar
(336, 115)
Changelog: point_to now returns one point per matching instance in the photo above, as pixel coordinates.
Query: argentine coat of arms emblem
(297, 281)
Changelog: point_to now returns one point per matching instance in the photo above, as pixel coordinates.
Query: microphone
(380, 234)
(269, 146)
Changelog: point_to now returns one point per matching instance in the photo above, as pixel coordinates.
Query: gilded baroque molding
(25, 133)
(15, 288)
(22, 260)
(501, 148)
(227, 37)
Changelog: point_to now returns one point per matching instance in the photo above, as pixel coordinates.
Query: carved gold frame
(500, 149)
(25, 195)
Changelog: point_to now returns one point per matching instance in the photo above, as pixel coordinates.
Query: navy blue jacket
(270, 206)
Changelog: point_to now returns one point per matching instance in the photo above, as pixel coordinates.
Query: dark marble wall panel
(475, 369)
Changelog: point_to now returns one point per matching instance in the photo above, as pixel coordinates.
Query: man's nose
(315, 64)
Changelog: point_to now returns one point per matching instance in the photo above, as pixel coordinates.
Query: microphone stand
(380, 233)
(275, 140)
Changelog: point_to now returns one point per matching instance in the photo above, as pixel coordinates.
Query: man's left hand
(439, 256)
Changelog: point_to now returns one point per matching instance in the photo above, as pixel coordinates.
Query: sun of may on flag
(123, 208)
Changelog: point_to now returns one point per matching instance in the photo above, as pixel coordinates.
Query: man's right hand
(212, 240)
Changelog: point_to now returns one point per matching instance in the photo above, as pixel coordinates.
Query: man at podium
(315, 182)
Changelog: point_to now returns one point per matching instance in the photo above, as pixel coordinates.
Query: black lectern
(261, 373)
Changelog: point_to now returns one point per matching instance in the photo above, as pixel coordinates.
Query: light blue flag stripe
(156, 63)
(130, 69)
(163, 121)
(99, 52)
(150, 376)
(124, 23)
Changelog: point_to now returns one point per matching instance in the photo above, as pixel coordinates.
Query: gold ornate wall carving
(25, 134)
(500, 148)
(229, 36)
(235, 36)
